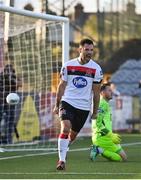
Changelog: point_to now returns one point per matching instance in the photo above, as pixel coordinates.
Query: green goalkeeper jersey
(103, 121)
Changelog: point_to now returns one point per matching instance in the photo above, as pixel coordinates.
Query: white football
(12, 98)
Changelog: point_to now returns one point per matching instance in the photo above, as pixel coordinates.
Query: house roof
(127, 78)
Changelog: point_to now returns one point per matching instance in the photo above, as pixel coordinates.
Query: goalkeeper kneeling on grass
(105, 142)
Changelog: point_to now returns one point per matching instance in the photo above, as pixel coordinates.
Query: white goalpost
(36, 45)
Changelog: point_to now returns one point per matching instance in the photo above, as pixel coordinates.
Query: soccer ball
(13, 98)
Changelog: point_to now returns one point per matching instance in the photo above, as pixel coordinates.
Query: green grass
(78, 164)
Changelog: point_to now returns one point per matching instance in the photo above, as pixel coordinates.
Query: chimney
(78, 10)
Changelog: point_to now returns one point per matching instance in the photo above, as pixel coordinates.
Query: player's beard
(87, 58)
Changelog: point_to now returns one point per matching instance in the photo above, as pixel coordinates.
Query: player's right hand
(56, 110)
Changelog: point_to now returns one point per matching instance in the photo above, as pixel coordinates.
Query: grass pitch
(42, 165)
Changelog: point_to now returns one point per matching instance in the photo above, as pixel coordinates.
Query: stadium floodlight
(37, 45)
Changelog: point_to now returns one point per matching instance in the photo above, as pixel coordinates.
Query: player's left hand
(115, 137)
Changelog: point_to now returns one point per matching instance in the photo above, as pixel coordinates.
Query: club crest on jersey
(89, 73)
(79, 82)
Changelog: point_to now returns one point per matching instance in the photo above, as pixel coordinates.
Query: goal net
(36, 45)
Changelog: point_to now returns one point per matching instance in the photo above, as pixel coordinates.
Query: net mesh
(34, 48)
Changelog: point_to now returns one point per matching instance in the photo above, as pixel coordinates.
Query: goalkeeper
(105, 142)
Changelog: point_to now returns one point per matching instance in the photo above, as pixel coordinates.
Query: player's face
(108, 93)
(86, 53)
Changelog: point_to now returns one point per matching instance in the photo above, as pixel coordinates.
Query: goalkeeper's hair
(104, 86)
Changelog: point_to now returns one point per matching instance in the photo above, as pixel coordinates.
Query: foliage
(112, 29)
(130, 50)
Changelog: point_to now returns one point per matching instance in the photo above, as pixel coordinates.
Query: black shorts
(76, 116)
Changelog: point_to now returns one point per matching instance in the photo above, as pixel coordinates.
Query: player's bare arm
(96, 99)
(59, 94)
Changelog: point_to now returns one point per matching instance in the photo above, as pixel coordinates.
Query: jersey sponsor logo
(80, 82)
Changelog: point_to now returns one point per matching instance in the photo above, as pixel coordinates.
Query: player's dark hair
(104, 86)
(86, 41)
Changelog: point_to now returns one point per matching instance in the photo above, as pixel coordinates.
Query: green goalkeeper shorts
(107, 144)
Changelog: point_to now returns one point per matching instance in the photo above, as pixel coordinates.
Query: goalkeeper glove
(115, 137)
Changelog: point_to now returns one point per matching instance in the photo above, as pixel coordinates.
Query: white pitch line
(54, 152)
(68, 173)
(131, 144)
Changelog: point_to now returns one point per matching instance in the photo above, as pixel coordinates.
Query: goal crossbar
(47, 17)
